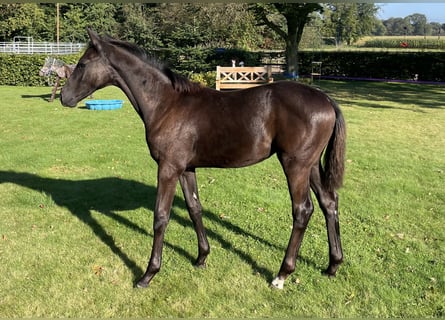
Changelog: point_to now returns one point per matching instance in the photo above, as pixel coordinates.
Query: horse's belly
(233, 155)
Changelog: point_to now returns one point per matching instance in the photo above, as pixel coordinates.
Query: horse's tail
(334, 156)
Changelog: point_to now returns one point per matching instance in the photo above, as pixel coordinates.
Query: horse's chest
(170, 145)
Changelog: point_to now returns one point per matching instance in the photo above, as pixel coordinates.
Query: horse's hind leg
(190, 190)
(302, 208)
(328, 202)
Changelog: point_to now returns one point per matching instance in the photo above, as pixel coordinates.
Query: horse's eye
(81, 65)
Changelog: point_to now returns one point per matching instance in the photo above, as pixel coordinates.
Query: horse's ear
(95, 39)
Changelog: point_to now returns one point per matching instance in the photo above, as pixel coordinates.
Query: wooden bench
(242, 77)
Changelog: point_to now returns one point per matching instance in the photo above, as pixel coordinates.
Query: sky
(434, 12)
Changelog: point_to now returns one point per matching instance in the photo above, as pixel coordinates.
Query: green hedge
(23, 70)
(430, 66)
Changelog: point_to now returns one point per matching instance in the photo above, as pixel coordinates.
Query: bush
(23, 70)
(430, 66)
(207, 79)
(200, 65)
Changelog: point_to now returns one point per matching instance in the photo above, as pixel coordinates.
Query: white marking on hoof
(277, 283)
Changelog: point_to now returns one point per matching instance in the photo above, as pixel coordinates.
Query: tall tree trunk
(297, 15)
(292, 55)
(295, 29)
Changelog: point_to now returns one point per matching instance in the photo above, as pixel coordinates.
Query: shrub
(200, 65)
(430, 66)
(23, 70)
(207, 79)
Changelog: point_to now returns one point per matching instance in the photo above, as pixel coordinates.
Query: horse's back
(282, 102)
(293, 95)
(304, 118)
(251, 124)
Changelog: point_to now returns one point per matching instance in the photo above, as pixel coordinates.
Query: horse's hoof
(277, 283)
(200, 265)
(141, 285)
(330, 276)
(329, 273)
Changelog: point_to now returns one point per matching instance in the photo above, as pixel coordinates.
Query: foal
(190, 126)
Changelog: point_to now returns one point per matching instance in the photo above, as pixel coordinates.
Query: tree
(349, 21)
(379, 28)
(207, 25)
(136, 23)
(232, 25)
(288, 21)
(419, 24)
(76, 17)
(26, 19)
(435, 28)
(398, 26)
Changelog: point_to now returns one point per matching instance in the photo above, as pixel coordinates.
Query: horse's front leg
(167, 179)
(53, 92)
(328, 201)
(190, 190)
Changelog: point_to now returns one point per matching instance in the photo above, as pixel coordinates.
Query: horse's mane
(180, 83)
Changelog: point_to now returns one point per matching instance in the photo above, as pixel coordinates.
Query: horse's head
(46, 69)
(92, 72)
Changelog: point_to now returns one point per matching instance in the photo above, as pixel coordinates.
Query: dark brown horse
(190, 126)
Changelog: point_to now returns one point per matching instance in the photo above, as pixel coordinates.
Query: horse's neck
(142, 83)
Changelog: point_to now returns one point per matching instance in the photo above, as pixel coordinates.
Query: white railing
(31, 47)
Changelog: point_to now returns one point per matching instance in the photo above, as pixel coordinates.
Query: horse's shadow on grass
(108, 195)
(46, 96)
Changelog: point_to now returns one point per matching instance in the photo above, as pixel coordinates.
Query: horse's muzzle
(66, 100)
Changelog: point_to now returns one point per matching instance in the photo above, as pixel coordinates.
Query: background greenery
(78, 190)
(23, 70)
(228, 25)
(194, 38)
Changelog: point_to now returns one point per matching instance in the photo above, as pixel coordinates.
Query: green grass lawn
(77, 195)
